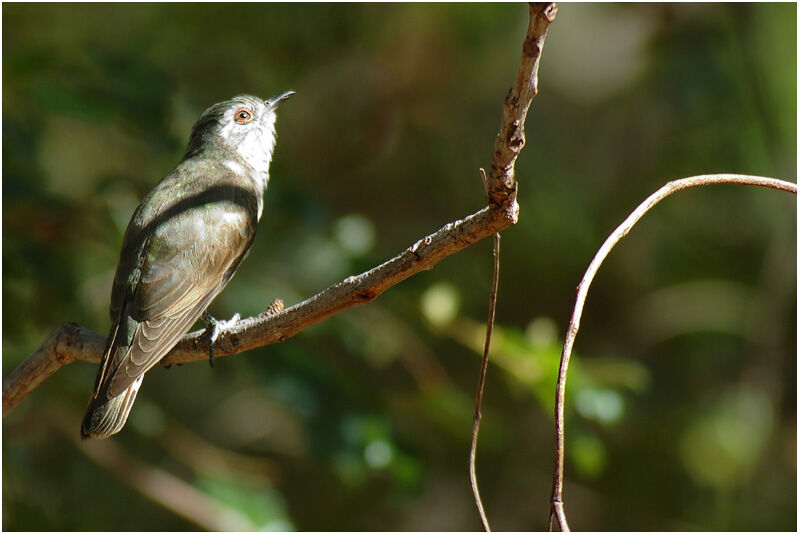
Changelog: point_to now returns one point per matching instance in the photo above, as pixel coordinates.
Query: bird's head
(244, 124)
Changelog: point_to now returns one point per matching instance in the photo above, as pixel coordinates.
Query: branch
(476, 418)
(556, 497)
(501, 187)
(66, 344)
(72, 342)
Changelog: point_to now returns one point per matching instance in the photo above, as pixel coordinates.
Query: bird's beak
(272, 103)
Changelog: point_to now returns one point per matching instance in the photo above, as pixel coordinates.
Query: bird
(182, 245)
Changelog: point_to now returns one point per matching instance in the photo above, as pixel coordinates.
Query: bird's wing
(185, 263)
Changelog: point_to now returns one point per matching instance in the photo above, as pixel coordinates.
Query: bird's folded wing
(186, 264)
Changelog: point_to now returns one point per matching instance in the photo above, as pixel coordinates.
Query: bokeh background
(682, 397)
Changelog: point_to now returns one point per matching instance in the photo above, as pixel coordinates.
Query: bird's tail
(104, 416)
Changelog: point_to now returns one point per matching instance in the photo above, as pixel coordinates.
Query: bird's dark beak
(272, 103)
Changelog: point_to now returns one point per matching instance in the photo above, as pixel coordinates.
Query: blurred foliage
(682, 398)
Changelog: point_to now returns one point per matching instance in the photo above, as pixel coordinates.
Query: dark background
(682, 398)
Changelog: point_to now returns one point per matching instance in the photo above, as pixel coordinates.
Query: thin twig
(556, 497)
(476, 419)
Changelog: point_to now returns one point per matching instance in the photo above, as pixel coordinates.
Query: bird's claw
(214, 328)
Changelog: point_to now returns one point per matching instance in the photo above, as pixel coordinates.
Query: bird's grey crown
(216, 134)
(211, 119)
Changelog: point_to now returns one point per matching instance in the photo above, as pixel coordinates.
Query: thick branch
(71, 342)
(556, 497)
(66, 344)
(501, 188)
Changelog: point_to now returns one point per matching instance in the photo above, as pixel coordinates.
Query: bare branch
(476, 418)
(501, 188)
(556, 497)
(71, 342)
(558, 514)
(66, 344)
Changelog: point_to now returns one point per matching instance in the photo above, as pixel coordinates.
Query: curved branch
(72, 342)
(556, 497)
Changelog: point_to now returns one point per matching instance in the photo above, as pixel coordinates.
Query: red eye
(242, 116)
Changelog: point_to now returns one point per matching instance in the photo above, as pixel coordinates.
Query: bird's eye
(242, 116)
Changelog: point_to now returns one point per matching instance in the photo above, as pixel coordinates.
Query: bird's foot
(214, 328)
